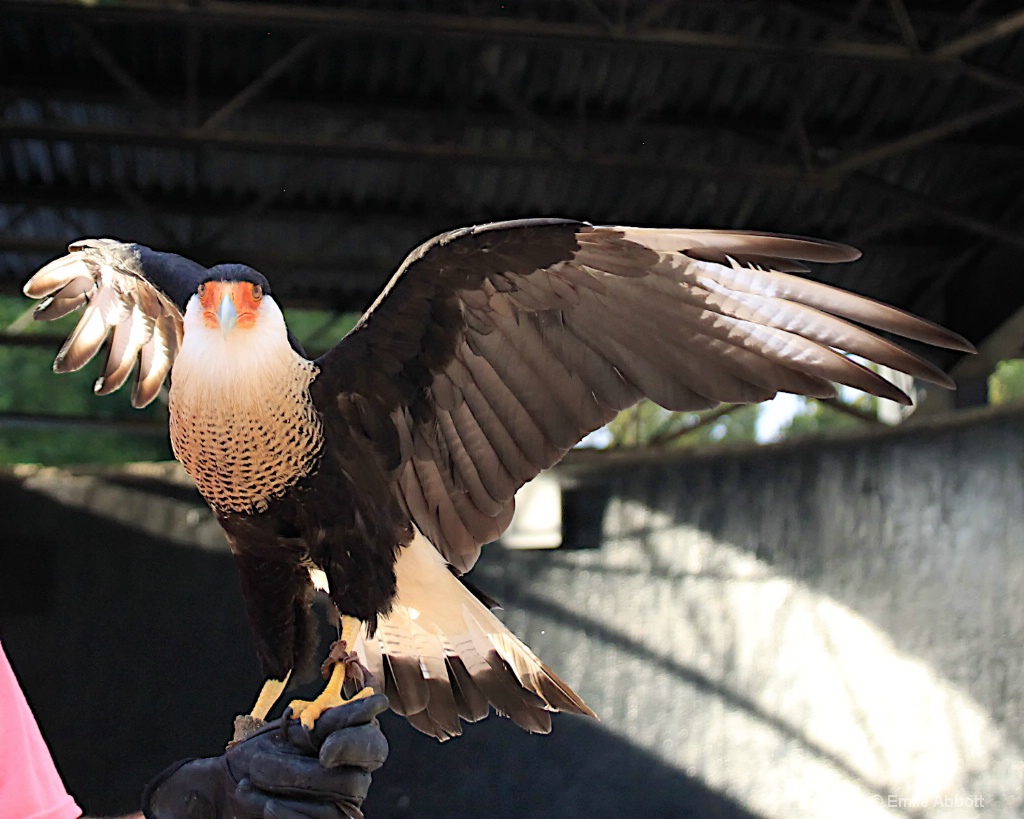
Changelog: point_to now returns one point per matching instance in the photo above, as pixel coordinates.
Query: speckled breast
(243, 454)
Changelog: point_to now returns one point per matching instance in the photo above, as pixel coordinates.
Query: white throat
(241, 365)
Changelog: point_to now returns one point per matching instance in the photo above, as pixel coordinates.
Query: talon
(362, 695)
(341, 666)
(340, 663)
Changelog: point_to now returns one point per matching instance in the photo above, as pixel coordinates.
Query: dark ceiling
(320, 141)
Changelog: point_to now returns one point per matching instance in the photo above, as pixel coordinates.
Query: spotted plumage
(390, 460)
(245, 447)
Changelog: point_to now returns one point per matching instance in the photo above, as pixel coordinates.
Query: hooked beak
(227, 314)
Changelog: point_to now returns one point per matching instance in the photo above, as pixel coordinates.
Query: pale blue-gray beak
(227, 315)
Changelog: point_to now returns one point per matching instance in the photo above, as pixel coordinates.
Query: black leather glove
(283, 771)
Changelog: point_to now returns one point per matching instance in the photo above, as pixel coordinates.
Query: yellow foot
(309, 711)
(338, 662)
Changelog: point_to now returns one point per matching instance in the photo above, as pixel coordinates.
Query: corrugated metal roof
(382, 123)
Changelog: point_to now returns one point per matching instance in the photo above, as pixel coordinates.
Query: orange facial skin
(245, 295)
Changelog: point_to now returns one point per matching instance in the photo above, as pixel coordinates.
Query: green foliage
(647, 424)
(319, 330)
(29, 386)
(815, 418)
(740, 425)
(639, 425)
(1007, 382)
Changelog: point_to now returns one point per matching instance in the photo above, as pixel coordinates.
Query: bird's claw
(309, 711)
(341, 666)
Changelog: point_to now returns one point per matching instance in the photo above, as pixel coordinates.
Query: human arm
(29, 782)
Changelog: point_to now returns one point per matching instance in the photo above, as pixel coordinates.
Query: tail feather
(442, 712)
(502, 686)
(443, 656)
(398, 645)
(537, 677)
(471, 702)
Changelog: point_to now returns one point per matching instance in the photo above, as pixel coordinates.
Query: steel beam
(394, 149)
(981, 36)
(391, 24)
(926, 136)
(127, 82)
(336, 115)
(902, 19)
(938, 209)
(41, 420)
(260, 84)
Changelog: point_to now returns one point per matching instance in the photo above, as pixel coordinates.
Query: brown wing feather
(137, 293)
(495, 349)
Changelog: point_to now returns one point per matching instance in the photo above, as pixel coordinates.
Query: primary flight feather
(387, 462)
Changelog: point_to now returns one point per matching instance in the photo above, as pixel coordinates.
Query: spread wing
(138, 293)
(495, 349)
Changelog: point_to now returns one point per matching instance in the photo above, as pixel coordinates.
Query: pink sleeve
(30, 787)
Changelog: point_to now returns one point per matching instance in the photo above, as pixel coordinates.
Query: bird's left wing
(138, 293)
(495, 349)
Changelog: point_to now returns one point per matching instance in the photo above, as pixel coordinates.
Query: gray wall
(803, 630)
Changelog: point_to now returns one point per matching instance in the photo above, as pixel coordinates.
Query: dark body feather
(343, 518)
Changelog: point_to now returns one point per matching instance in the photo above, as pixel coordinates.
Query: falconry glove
(283, 771)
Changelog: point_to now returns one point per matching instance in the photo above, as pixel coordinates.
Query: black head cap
(238, 273)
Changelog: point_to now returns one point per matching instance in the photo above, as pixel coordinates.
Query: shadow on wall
(498, 771)
(829, 631)
(840, 619)
(134, 652)
(918, 531)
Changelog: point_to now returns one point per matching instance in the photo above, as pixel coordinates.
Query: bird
(385, 464)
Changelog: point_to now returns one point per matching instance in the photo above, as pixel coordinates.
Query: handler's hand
(280, 773)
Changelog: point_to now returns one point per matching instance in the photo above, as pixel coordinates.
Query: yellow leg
(308, 711)
(269, 694)
(350, 630)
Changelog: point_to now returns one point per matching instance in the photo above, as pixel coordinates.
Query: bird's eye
(257, 292)
(202, 291)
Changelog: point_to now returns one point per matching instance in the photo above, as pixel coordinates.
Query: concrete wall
(820, 630)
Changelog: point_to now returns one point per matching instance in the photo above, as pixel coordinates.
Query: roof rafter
(261, 83)
(538, 33)
(605, 126)
(982, 36)
(902, 18)
(122, 77)
(925, 136)
(446, 153)
(251, 142)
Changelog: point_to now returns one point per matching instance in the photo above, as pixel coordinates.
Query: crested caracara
(387, 462)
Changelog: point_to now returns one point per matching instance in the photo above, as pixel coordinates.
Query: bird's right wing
(138, 293)
(496, 348)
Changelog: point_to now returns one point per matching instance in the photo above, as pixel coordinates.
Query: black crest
(237, 273)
